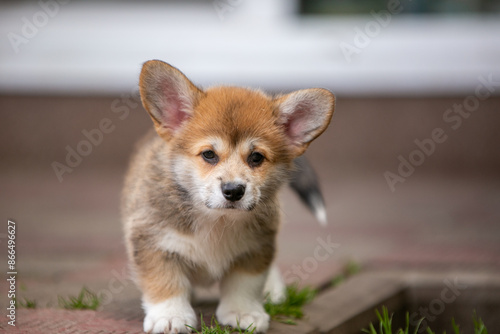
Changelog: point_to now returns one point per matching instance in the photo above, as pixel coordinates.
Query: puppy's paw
(244, 319)
(171, 317)
(171, 325)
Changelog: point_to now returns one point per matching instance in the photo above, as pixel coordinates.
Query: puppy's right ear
(168, 96)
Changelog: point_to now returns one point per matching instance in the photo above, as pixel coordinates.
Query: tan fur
(158, 272)
(177, 235)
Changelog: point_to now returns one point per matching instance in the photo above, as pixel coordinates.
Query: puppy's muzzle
(233, 191)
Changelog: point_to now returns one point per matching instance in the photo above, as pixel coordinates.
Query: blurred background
(409, 166)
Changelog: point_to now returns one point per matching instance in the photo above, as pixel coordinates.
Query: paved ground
(453, 224)
(69, 234)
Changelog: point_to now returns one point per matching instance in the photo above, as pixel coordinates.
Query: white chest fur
(214, 245)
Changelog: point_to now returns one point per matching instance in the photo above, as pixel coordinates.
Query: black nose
(233, 191)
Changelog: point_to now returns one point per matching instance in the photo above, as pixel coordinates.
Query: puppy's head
(229, 147)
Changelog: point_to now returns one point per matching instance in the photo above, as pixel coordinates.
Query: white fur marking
(275, 288)
(214, 245)
(170, 316)
(319, 210)
(241, 302)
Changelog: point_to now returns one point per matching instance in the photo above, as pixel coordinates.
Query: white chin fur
(230, 206)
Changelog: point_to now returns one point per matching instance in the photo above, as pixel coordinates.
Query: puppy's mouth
(230, 206)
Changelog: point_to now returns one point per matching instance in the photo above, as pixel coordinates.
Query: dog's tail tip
(319, 209)
(305, 183)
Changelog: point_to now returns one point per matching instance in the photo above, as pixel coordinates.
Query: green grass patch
(479, 327)
(291, 308)
(351, 268)
(26, 303)
(216, 328)
(385, 325)
(86, 300)
(286, 312)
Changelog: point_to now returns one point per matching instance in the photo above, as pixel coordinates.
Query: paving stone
(334, 310)
(45, 321)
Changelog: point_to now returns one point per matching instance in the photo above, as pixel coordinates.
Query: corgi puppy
(200, 202)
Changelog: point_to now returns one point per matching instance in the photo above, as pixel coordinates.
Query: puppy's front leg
(275, 288)
(242, 302)
(166, 291)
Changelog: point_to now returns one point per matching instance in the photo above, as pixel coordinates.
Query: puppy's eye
(210, 157)
(255, 159)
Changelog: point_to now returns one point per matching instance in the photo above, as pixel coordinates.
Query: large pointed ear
(167, 95)
(305, 114)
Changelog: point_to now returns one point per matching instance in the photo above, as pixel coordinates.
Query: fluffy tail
(305, 183)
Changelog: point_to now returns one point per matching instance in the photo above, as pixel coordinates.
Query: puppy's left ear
(305, 114)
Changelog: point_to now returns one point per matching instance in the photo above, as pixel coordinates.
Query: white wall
(98, 47)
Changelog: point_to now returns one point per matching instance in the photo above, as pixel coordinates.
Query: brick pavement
(62, 251)
(69, 233)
